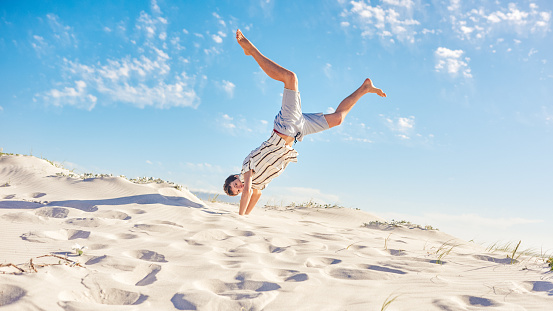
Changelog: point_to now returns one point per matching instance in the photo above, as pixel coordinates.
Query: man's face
(236, 186)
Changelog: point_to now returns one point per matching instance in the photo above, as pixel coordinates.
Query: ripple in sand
(148, 256)
(10, 294)
(52, 212)
(165, 222)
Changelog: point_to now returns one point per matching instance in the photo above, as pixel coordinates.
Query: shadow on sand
(91, 205)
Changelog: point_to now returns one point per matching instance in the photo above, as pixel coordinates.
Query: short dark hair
(226, 186)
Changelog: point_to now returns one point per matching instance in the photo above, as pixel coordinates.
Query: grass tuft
(444, 250)
(388, 302)
(398, 224)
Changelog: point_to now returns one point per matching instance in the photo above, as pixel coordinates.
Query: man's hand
(256, 194)
(246, 192)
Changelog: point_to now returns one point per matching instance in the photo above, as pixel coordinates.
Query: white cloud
(451, 62)
(476, 25)
(402, 127)
(1, 109)
(62, 34)
(155, 7)
(328, 70)
(74, 96)
(39, 44)
(393, 19)
(150, 79)
(228, 87)
(240, 125)
(217, 38)
(400, 3)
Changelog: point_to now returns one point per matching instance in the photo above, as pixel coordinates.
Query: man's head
(233, 186)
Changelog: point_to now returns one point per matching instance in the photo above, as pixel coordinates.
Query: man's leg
(336, 118)
(271, 68)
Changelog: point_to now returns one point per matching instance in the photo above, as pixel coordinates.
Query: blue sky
(463, 142)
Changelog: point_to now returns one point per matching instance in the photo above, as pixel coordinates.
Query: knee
(291, 81)
(339, 119)
(334, 119)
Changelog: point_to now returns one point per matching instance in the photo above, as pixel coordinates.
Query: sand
(154, 247)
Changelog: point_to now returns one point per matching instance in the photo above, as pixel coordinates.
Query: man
(271, 158)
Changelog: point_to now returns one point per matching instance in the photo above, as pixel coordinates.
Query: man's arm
(256, 194)
(246, 192)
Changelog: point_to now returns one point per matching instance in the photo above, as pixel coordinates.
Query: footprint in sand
(243, 289)
(67, 234)
(84, 222)
(505, 261)
(100, 291)
(37, 195)
(181, 303)
(148, 256)
(210, 235)
(479, 301)
(321, 262)
(52, 212)
(161, 228)
(288, 275)
(58, 235)
(10, 294)
(111, 262)
(142, 275)
(540, 286)
(366, 272)
(113, 215)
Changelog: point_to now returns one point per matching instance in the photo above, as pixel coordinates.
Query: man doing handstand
(271, 158)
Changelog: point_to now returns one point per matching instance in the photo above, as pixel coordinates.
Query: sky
(463, 142)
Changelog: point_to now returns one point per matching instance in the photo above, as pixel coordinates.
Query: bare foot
(369, 88)
(246, 45)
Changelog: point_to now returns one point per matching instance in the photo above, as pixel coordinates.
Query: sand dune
(154, 247)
